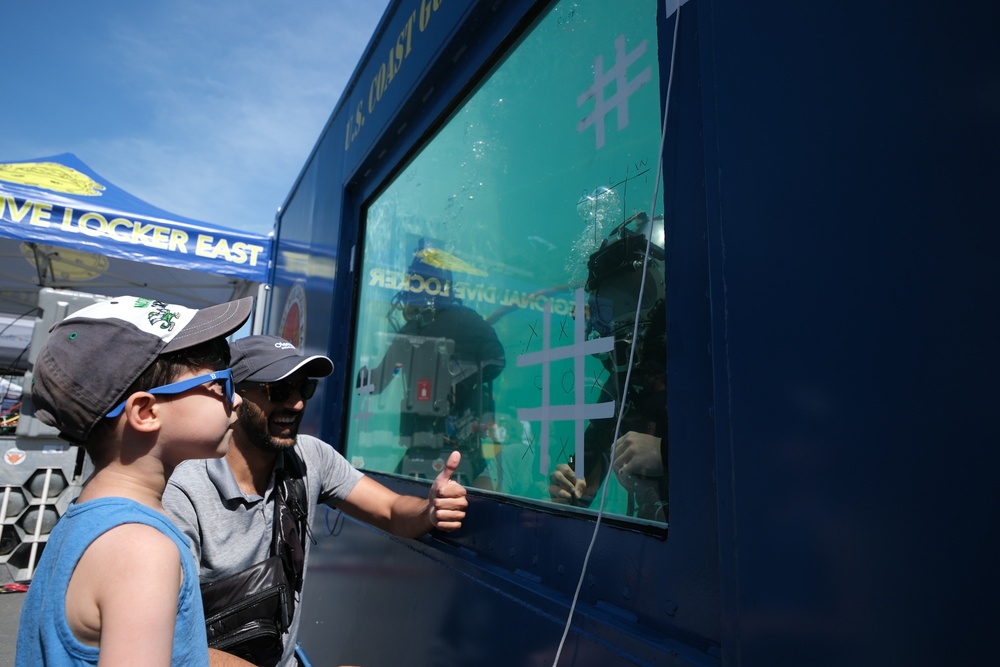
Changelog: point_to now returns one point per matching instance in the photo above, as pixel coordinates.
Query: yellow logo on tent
(51, 176)
(64, 264)
(445, 260)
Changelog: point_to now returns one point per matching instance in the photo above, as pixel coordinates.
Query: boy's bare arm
(130, 577)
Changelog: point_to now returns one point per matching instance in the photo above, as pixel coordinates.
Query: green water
(516, 189)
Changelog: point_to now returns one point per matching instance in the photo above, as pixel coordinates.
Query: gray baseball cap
(92, 357)
(270, 359)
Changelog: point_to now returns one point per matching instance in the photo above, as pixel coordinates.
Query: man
(226, 507)
(439, 331)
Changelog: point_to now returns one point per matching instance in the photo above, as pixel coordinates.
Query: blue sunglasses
(225, 377)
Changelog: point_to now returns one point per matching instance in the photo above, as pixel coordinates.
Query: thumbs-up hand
(447, 501)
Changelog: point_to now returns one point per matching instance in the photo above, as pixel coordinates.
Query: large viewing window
(500, 305)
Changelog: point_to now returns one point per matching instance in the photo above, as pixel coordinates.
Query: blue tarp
(60, 201)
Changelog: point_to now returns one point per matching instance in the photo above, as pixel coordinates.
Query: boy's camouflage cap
(93, 356)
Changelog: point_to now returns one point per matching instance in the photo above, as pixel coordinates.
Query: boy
(142, 385)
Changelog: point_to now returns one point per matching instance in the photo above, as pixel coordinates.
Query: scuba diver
(614, 276)
(448, 356)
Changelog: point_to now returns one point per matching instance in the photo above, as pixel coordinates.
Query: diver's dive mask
(404, 308)
(613, 282)
(625, 253)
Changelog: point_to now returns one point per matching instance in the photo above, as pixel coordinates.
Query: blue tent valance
(60, 201)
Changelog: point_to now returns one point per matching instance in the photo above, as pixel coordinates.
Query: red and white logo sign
(14, 456)
(423, 390)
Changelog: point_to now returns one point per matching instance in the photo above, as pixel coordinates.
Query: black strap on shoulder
(291, 517)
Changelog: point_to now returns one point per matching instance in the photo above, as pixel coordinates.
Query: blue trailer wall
(850, 159)
(828, 191)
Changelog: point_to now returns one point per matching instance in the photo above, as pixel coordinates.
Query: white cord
(631, 356)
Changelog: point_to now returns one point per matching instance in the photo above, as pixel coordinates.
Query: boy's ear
(142, 413)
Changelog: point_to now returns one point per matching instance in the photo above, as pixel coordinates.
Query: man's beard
(254, 424)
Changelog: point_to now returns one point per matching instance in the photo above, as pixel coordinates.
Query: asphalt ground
(10, 615)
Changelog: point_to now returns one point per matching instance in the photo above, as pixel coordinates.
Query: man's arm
(217, 658)
(409, 516)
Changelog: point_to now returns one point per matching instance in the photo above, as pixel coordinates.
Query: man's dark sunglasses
(278, 392)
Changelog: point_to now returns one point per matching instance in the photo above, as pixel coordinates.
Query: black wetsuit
(645, 412)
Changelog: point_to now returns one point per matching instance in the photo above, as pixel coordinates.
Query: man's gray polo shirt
(229, 530)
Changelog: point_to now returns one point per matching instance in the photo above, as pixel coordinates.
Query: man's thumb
(451, 465)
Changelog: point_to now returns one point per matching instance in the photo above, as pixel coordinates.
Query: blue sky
(207, 109)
